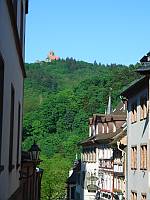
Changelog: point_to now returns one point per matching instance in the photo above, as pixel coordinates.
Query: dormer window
(102, 128)
(107, 129)
(93, 130)
(90, 131)
(96, 129)
(114, 127)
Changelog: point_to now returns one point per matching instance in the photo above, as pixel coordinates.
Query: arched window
(1, 99)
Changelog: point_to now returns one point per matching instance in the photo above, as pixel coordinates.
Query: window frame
(143, 196)
(133, 195)
(134, 157)
(143, 157)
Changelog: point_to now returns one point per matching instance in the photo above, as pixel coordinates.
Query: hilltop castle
(51, 56)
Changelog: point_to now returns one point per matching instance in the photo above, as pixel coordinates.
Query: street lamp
(34, 152)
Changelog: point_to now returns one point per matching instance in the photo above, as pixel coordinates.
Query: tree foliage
(59, 98)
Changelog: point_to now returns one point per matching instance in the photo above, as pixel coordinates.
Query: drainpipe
(113, 181)
(123, 153)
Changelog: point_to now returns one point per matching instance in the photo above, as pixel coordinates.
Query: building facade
(12, 73)
(103, 156)
(137, 97)
(51, 56)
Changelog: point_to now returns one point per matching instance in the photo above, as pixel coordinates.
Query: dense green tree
(60, 96)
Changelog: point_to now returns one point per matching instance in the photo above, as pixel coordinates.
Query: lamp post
(34, 152)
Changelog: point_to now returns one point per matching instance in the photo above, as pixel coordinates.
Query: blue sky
(108, 31)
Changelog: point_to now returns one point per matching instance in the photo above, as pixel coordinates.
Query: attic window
(93, 130)
(107, 128)
(97, 126)
(102, 128)
(114, 127)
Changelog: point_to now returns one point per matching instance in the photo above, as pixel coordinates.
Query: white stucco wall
(88, 168)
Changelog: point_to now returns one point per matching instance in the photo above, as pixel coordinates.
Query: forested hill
(59, 98)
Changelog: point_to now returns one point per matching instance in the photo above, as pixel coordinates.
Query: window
(134, 157)
(143, 196)
(133, 113)
(93, 130)
(97, 129)
(143, 108)
(133, 196)
(143, 155)
(11, 166)
(107, 128)
(1, 101)
(102, 128)
(18, 136)
(90, 130)
(114, 127)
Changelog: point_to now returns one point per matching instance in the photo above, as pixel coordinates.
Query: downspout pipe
(118, 144)
(123, 153)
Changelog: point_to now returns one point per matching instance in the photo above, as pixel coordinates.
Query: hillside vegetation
(59, 98)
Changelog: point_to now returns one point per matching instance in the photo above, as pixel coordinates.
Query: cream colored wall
(9, 182)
